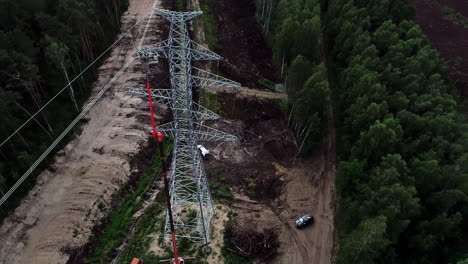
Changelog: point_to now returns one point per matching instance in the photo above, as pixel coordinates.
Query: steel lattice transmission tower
(190, 195)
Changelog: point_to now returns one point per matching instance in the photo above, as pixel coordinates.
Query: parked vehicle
(304, 221)
(203, 151)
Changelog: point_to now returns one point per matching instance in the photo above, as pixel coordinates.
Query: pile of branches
(245, 241)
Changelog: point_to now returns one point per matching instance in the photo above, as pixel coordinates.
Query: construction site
(208, 156)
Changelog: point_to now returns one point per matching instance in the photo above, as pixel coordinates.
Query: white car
(203, 151)
(304, 221)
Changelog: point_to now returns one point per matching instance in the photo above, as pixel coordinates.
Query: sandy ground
(217, 230)
(62, 208)
(307, 190)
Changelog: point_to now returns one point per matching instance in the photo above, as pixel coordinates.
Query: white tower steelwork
(190, 195)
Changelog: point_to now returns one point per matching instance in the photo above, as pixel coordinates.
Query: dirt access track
(61, 209)
(285, 186)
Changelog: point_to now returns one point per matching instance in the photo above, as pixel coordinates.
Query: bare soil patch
(284, 187)
(449, 38)
(248, 56)
(271, 186)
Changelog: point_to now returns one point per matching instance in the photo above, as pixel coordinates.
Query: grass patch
(250, 186)
(266, 84)
(118, 222)
(210, 101)
(180, 5)
(209, 23)
(138, 246)
(220, 189)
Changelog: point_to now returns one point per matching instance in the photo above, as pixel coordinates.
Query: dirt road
(285, 187)
(64, 205)
(307, 190)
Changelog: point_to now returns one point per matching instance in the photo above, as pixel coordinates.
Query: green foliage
(220, 189)
(401, 179)
(38, 41)
(209, 24)
(298, 74)
(118, 222)
(267, 84)
(180, 5)
(455, 16)
(296, 37)
(308, 107)
(296, 30)
(231, 258)
(151, 223)
(76, 232)
(365, 243)
(250, 186)
(210, 101)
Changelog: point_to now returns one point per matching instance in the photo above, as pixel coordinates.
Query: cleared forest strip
(70, 197)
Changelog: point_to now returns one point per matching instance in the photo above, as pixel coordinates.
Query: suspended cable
(65, 132)
(81, 73)
(76, 120)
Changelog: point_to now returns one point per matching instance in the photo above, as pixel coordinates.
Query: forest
(294, 32)
(402, 179)
(402, 182)
(44, 43)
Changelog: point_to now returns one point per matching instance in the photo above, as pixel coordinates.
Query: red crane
(160, 137)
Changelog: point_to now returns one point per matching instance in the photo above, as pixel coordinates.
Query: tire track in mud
(293, 233)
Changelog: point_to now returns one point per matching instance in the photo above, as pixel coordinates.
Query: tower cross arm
(204, 79)
(162, 96)
(205, 133)
(199, 52)
(160, 49)
(173, 15)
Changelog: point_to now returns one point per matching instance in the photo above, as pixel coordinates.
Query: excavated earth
(241, 43)
(285, 186)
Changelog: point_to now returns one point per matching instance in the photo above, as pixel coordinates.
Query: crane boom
(160, 137)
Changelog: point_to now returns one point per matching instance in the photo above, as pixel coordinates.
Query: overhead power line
(77, 119)
(64, 133)
(70, 83)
